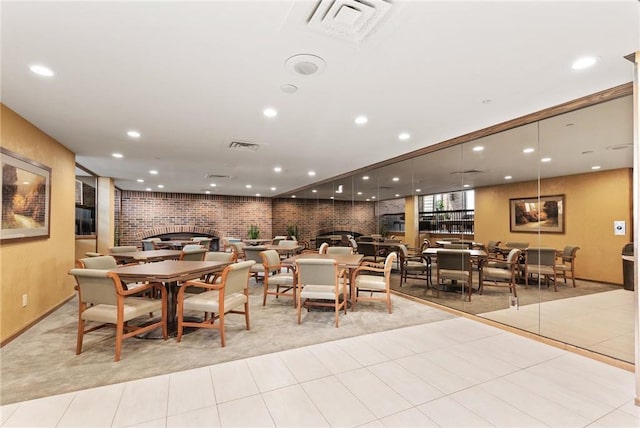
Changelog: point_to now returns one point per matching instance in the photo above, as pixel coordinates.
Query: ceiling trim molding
(577, 104)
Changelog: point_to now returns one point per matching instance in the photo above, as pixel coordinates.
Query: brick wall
(142, 214)
(146, 212)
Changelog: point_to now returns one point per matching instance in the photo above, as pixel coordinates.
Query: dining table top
(256, 241)
(169, 270)
(346, 260)
(147, 255)
(478, 253)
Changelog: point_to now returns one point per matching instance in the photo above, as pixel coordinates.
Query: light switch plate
(619, 227)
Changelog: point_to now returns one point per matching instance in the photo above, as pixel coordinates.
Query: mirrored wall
(580, 154)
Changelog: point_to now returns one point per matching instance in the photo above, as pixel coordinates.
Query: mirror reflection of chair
(413, 266)
(123, 249)
(502, 275)
(231, 295)
(567, 264)
(454, 266)
(150, 244)
(321, 284)
(103, 299)
(98, 262)
(276, 282)
(541, 262)
(203, 240)
(372, 279)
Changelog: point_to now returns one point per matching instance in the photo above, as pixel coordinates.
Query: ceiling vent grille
(350, 20)
(467, 171)
(217, 176)
(244, 145)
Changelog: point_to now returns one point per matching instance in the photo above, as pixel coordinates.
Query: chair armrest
(148, 286)
(369, 267)
(201, 284)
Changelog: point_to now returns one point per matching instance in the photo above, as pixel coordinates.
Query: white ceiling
(194, 76)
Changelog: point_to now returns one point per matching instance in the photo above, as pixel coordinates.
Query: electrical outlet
(24, 300)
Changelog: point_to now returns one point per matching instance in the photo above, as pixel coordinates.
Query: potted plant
(292, 230)
(254, 231)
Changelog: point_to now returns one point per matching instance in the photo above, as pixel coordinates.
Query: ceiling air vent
(244, 145)
(350, 20)
(217, 176)
(467, 171)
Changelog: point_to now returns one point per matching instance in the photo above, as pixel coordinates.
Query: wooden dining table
(147, 255)
(169, 272)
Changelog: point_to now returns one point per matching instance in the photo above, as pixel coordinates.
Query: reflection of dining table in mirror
(175, 244)
(478, 257)
(169, 272)
(147, 255)
(284, 250)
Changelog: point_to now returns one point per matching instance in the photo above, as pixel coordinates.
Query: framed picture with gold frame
(25, 202)
(538, 214)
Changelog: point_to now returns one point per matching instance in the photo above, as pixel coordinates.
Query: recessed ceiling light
(208, 192)
(508, 177)
(273, 189)
(331, 197)
(314, 191)
(585, 62)
(117, 155)
(466, 185)
(270, 112)
(367, 199)
(293, 196)
(397, 195)
(365, 177)
(596, 167)
(133, 134)
(248, 186)
(140, 180)
(373, 197)
(277, 169)
(213, 184)
(395, 179)
(359, 193)
(311, 173)
(529, 150)
(545, 160)
(418, 190)
(148, 189)
(41, 70)
(257, 194)
(160, 186)
(478, 148)
(153, 171)
(361, 120)
(404, 136)
(288, 88)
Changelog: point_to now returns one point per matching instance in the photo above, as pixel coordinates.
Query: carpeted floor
(42, 361)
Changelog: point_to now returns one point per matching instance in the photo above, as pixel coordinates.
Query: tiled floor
(451, 373)
(601, 322)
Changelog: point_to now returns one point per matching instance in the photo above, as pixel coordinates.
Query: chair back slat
(220, 256)
(235, 277)
(270, 258)
(100, 262)
(453, 259)
(317, 271)
(95, 286)
(123, 249)
(339, 250)
(541, 256)
(197, 254)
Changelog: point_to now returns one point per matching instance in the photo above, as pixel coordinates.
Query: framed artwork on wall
(25, 203)
(544, 214)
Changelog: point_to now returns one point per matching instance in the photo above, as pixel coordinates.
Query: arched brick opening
(180, 232)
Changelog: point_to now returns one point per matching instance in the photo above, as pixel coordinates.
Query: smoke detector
(305, 65)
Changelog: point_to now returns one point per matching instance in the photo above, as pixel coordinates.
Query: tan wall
(39, 267)
(592, 202)
(85, 245)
